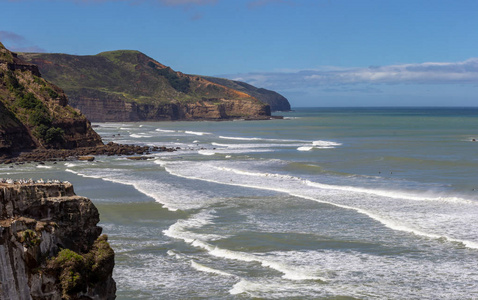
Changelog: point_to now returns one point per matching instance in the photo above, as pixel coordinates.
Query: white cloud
(465, 72)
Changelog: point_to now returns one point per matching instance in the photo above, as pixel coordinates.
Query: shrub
(29, 101)
(13, 84)
(54, 135)
(52, 93)
(40, 116)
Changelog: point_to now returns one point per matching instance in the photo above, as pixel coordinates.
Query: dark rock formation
(35, 113)
(276, 101)
(81, 153)
(130, 86)
(50, 245)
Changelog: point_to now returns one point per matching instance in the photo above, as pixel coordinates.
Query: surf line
(288, 271)
(387, 223)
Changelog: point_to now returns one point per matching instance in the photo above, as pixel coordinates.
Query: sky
(324, 53)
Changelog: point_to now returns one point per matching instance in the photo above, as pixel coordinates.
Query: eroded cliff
(50, 244)
(130, 86)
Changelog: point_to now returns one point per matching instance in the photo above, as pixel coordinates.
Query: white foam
(260, 139)
(206, 152)
(378, 208)
(44, 167)
(325, 144)
(203, 268)
(138, 136)
(181, 230)
(196, 132)
(165, 130)
(261, 145)
(305, 148)
(161, 192)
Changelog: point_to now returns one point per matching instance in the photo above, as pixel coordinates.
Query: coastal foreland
(126, 85)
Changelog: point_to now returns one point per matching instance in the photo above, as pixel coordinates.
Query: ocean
(327, 203)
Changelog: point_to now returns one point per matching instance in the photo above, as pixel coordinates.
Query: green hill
(35, 113)
(127, 85)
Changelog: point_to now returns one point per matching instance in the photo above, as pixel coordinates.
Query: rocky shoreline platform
(81, 153)
(50, 244)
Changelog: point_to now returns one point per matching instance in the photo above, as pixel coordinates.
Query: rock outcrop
(35, 113)
(130, 86)
(276, 101)
(50, 244)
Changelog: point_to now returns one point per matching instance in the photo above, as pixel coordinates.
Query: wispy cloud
(465, 72)
(18, 43)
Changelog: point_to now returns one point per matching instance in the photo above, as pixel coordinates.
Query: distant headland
(128, 85)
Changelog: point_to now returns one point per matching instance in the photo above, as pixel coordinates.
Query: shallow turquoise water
(325, 204)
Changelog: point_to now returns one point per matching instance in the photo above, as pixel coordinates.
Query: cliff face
(276, 101)
(102, 107)
(130, 86)
(35, 113)
(50, 245)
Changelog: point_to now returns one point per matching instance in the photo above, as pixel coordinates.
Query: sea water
(323, 204)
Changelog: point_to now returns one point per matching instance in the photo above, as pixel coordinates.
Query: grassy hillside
(34, 113)
(130, 75)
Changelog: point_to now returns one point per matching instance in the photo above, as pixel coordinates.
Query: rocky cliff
(35, 113)
(276, 101)
(130, 86)
(50, 244)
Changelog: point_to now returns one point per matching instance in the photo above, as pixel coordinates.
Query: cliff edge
(50, 244)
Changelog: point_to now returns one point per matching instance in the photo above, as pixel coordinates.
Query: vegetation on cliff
(128, 85)
(78, 272)
(35, 113)
(50, 244)
(274, 99)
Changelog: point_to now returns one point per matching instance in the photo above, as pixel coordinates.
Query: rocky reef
(50, 245)
(127, 85)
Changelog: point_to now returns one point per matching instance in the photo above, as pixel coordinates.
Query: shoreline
(81, 153)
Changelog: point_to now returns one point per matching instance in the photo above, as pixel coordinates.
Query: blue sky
(314, 52)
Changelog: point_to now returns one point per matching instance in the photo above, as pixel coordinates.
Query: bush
(54, 135)
(29, 101)
(52, 93)
(40, 116)
(13, 84)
